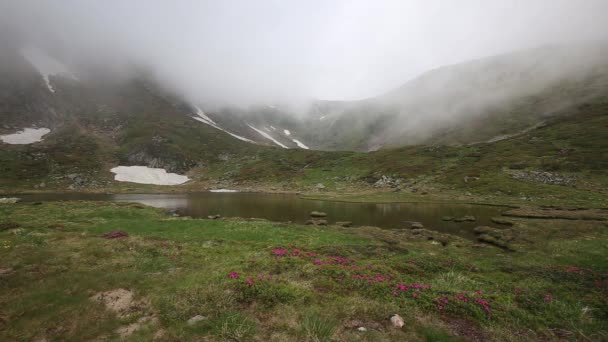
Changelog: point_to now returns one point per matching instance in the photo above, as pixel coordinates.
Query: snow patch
(147, 175)
(202, 117)
(300, 144)
(26, 136)
(322, 118)
(273, 128)
(46, 65)
(287, 132)
(267, 136)
(223, 190)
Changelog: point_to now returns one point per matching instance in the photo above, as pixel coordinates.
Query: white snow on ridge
(287, 132)
(223, 190)
(46, 65)
(26, 136)
(273, 128)
(205, 119)
(322, 118)
(300, 144)
(147, 175)
(267, 136)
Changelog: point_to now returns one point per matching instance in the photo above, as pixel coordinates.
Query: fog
(254, 52)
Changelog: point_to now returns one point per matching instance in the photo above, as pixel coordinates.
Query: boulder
(318, 214)
(396, 321)
(483, 230)
(469, 218)
(196, 319)
(9, 200)
(416, 225)
(500, 220)
(344, 223)
(321, 222)
(320, 186)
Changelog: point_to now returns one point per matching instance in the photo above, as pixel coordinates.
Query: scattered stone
(318, 214)
(416, 225)
(388, 182)
(9, 200)
(447, 218)
(362, 329)
(196, 319)
(5, 271)
(470, 178)
(117, 234)
(500, 220)
(321, 222)
(397, 321)
(320, 186)
(214, 217)
(544, 177)
(309, 222)
(468, 218)
(417, 231)
(344, 224)
(483, 230)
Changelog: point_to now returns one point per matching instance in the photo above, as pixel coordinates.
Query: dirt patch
(465, 328)
(123, 303)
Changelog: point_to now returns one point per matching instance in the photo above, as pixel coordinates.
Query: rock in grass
(396, 321)
(483, 230)
(362, 329)
(117, 234)
(318, 214)
(344, 223)
(468, 218)
(321, 222)
(417, 231)
(214, 217)
(500, 220)
(9, 200)
(196, 319)
(416, 225)
(447, 218)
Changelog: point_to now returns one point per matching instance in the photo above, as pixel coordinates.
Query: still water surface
(282, 207)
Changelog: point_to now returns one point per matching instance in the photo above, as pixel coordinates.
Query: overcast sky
(249, 51)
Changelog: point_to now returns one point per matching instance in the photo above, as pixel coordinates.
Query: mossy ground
(293, 282)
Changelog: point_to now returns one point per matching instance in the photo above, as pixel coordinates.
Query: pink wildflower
(480, 292)
(415, 295)
(402, 287)
(548, 298)
(318, 262)
(234, 275)
(462, 298)
(249, 282)
(395, 294)
(439, 307)
(295, 252)
(279, 251)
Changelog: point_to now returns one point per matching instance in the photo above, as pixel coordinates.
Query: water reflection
(281, 207)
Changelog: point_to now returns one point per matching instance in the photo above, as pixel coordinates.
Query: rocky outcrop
(544, 177)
